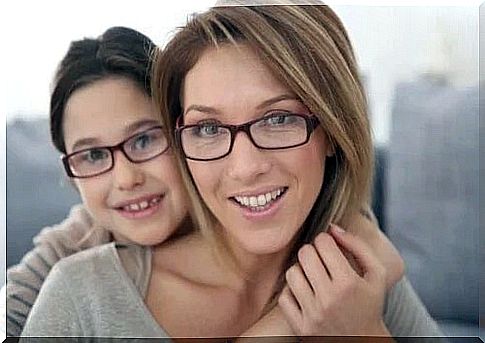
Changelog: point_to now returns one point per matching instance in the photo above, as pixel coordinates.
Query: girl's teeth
(261, 200)
(155, 201)
(268, 197)
(142, 205)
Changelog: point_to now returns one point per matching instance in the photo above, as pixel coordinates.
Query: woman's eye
(95, 155)
(207, 130)
(278, 119)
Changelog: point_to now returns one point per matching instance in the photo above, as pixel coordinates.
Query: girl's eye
(95, 155)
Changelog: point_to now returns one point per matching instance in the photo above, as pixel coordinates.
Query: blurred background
(420, 66)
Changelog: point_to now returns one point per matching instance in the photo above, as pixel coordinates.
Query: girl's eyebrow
(141, 123)
(129, 129)
(84, 142)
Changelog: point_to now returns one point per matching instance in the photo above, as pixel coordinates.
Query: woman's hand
(326, 296)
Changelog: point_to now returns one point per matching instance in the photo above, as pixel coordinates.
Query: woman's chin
(263, 244)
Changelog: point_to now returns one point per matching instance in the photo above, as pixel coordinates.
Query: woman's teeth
(258, 202)
(142, 205)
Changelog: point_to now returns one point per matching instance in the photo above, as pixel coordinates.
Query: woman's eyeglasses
(138, 148)
(211, 140)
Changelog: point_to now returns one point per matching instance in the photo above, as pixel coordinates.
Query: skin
(107, 112)
(233, 86)
(246, 92)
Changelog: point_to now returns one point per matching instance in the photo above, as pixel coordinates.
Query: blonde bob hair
(307, 48)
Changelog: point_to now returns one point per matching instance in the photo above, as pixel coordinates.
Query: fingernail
(337, 229)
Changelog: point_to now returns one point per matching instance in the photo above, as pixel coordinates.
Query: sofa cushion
(433, 207)
(38, 193)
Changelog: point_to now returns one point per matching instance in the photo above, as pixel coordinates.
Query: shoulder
(87, 263)
(76, 232)
(405, 314)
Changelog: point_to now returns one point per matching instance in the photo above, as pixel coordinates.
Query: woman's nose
(246, 161)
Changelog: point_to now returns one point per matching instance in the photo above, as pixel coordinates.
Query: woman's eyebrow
(276, 99)
(265, 103)
(201, 108)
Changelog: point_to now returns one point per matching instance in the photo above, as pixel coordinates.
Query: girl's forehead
(104, 111)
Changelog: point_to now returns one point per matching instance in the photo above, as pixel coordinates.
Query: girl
(115, 151)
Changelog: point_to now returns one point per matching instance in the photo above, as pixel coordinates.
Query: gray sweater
(92, 294)
(99, 292)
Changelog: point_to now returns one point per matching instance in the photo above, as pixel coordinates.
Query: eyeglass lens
(139, 148)
(211, 140)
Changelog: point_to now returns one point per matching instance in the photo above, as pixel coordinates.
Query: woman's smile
(261, 196)
(260, 205)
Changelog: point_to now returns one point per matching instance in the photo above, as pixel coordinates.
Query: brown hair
(308, 49)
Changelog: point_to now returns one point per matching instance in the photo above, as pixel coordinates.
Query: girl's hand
(326, 296)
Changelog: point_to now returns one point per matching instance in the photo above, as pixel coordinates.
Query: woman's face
(140, 202)
(232, 86)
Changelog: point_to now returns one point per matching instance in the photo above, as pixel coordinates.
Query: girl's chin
(146, 238)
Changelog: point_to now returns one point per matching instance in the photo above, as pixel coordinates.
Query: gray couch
(38, 194)
(425, 195)
(432, 198)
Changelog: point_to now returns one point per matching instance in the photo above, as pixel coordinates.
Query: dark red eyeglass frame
(112, 149)
(311, 120)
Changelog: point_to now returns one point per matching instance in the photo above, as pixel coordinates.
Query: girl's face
(140, 202)
(231, 86)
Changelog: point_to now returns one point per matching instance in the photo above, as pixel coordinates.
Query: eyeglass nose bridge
(235, 129)
(119, 147)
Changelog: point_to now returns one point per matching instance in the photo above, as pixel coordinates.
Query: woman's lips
(142, 208)
(259, 212)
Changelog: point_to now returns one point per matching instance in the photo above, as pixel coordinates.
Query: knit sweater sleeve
(24, 280)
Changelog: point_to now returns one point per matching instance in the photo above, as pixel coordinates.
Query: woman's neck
(254, 274)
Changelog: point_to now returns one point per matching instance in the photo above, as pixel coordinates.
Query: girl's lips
(262, 212)
(154, 204)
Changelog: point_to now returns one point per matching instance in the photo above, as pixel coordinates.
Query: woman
(286, 76)
(188, 276)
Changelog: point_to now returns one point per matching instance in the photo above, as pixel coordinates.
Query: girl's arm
(24, 280)
(54, 313)
(365, 228)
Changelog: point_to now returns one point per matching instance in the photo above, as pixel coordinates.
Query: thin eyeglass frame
(111, 149)
(311, 120)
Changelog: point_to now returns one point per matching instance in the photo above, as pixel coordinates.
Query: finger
(371, 266)
(337, 264)
(315, 271)
(290, 309)
(299, 286)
